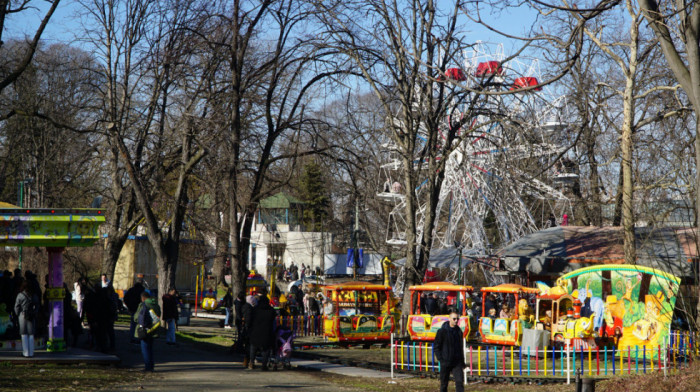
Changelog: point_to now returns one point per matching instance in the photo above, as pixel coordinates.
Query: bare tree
(272, 77)
(13, 71)
(151, 105)
(676, 25)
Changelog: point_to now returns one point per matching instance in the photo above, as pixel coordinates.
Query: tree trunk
(630, 249)
(110, 255)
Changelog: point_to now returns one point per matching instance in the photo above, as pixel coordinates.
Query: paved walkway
(191, 368)
(201, 367)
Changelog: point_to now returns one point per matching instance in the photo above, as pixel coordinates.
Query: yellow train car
(506, 331)
(422, 325)
(361, 313)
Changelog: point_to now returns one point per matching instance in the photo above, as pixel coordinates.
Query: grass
(683, 380)
(427, 384)
(205, 338)
(54, 377)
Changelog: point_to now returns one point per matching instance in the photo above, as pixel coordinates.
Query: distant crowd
(293, 272)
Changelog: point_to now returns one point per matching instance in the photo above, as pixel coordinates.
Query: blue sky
(65, 24)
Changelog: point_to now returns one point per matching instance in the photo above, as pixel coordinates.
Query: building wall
(299, 247)
(138, 257)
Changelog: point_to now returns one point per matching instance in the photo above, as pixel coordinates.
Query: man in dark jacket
(262, 331)
(449, 350)
(243, 340)
(228, 305)
(132, 299)
(170, 302)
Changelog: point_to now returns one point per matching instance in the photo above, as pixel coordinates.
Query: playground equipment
(361, 313)
(507, 331)
(423, 326)
(55, 229)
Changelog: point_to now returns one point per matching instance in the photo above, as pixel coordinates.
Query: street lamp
(20, 202)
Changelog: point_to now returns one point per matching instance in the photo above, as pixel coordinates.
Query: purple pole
(55, 294)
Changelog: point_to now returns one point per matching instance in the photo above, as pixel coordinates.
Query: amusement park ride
(484, 176)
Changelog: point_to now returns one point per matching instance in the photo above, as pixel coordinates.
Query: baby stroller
(283, 346)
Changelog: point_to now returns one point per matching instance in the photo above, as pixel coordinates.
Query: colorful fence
(495, 361)
(302, 325)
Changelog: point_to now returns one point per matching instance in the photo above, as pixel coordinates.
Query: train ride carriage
(422, 325)
(507, 331)
(362, 312)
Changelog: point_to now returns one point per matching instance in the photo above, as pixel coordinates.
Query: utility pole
(355, 234)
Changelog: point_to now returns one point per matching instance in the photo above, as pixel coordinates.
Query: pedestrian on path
(243, 341)
(27, 309)
(228, 304)
(262, 331)
(170, 302)
(132, 300)
(449, 350)
(145, 330)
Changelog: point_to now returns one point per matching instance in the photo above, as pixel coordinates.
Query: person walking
(132, 300)
(79, 296)
(449, 350)
(145, 333)
(251, 302)
(228, 305)
(170, 315)
(27, 308)
(262, 332)
(238, 311)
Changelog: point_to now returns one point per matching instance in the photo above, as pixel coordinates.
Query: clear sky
(65, 24)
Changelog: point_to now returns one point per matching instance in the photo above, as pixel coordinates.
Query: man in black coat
(262, 331)
(132, 299)
(243, 340)
(449, 350)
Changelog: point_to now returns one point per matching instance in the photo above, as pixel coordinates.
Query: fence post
(495, 361)
(471, 362)
(545, 361)
(487, 361)
(561, 359)
(391, 348)
(511, 361)
(478, 358)
(521, 359)
(464, 353)
(503, 354)
(613, 360)
(568, 366)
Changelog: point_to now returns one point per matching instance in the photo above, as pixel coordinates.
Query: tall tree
(272, 78)
(676, 25)
(151, 104)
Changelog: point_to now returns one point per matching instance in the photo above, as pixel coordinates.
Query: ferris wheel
(491, 195)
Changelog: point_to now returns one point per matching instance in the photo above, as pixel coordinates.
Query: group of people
(97, 306)
(293, 272)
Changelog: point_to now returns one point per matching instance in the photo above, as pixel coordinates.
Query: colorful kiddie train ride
(636, 312)
(362, 313)
(424, 326)
(506, 330)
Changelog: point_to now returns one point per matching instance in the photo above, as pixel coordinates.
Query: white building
(279, 235)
